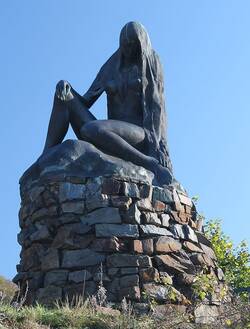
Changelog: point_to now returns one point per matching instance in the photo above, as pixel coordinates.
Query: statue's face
(129, 43)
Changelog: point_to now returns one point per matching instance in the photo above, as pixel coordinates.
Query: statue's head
(134, 40)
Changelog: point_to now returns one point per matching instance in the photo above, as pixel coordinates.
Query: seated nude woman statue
(136, 126)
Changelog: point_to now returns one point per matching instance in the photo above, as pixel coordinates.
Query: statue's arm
(94, 91)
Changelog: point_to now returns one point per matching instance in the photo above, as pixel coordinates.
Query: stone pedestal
(138, 240)
(78, 233)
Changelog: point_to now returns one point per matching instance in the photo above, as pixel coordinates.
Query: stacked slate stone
(140, 241)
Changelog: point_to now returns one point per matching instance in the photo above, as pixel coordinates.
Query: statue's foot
(163, 175)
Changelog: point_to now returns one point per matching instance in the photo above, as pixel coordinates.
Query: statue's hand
(63, 90)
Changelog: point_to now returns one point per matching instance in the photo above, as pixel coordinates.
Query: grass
(90, 314)
(85, 315)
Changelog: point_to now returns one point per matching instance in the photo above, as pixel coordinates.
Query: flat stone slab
(152, 230)
(82, 159)
(102, 216)
(122, 230)
(127, 260)
(81, 258)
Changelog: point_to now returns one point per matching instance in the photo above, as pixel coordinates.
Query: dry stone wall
(140, 241)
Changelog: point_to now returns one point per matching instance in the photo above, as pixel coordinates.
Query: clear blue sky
(205, 50)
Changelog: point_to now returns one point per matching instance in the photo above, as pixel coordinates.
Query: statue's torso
(124, 94)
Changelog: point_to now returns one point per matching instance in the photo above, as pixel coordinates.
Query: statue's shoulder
(110, 64)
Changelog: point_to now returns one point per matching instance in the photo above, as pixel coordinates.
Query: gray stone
(141, 308)
(166, 262)
(69, 237)
(81, 258)
(151, 218)
(129, 281)
(80, 276)
(152, 230)
(97, 201)
(44, 212)
(162, 194)
(159, 293)
(114, 286)
(129, 270)
(35, 192)
(99, 277)
(107, 245)
(56, 278)
(103, 215)
(131, 190)
(113, 271)
(50, 260)
(201, 260)
(131, 293)
(146, 191)
(121, 201)
(208, 251)
(206, 314)
(123, 230)
(69, 191)
(68, 219)
(132, 215)
(162, 293)
(184, 232)
(31, 257)
(41, 234)
(75, 207)
(220, 274)
(24, 236)
(73, 291)
(49, 295)
(184, 260)
(126, 260)
(202, 239)
(189, 233)
(165, 218)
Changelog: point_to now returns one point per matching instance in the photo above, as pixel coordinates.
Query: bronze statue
(136, 126)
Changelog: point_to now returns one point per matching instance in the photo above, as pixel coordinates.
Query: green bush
(233, 260)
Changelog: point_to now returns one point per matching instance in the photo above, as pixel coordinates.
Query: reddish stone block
(148, 246)
(185, 200)
(122, 202)
(144, 205)
(179, 207)
(192, 247)
(188, 210)
(111, 186)
(132, 293)
(159, 206)
(149, 275)
(180, 218)
(137, 246)
(109, 245)
(165, 244)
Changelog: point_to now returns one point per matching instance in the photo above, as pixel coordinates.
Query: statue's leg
(120, 139)
(64, 113)
(58, 124)
(79, 114)
(126, 141)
